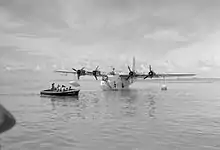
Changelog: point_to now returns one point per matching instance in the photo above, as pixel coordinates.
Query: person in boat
(70, 88)
(63, 88)
(53, 87)
(66, 89)
(58, 87)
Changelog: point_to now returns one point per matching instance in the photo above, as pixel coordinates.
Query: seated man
(63, 88)
(58, 87)
(53, 87)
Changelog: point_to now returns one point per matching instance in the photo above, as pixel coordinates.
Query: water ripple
(136, 119)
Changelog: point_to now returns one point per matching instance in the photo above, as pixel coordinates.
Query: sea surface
(185, 117)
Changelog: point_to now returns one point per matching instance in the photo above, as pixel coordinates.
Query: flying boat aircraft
(119, 80)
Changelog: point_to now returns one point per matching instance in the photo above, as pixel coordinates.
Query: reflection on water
(150, 102)
(63, 101)
(127, 95)
(130, 100)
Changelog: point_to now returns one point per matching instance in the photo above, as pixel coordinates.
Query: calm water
(186, 117)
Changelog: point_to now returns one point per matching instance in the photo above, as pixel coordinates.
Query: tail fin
(133, 65)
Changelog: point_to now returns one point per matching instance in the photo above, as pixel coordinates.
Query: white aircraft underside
(116, 83)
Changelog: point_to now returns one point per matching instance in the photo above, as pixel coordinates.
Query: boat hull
(60, 93)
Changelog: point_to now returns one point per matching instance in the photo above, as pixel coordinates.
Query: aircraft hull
(115, 83)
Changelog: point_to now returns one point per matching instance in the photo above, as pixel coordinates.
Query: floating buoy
(164, 87)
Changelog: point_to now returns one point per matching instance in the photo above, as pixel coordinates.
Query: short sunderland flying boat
(118, 81)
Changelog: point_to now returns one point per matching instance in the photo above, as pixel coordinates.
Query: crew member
(105, 78)
(63, 88)
(53, 87)
(114, 84)
(58, 87)
(113, 71)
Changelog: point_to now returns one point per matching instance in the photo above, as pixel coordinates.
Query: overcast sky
(172, 35)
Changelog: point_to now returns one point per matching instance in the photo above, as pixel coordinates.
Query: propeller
(95, 72)
(151, 73)
(79, 72)
(131, 73)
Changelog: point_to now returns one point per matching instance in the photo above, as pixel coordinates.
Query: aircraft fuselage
(115, 82)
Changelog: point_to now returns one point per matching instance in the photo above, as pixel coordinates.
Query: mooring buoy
(163, 87)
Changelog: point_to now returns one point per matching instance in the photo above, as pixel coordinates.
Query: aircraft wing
(65, 71)
(175, 75)
(90, 73)
(140, 75)
(136, 75)
(123, 75)
(99, 74)
(163, 75)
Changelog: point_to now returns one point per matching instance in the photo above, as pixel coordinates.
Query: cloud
(167, 35)
(175, 35)
(200, 56)
(34, 11)
(6, 23)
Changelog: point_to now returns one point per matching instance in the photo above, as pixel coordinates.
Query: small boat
(72, 92)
